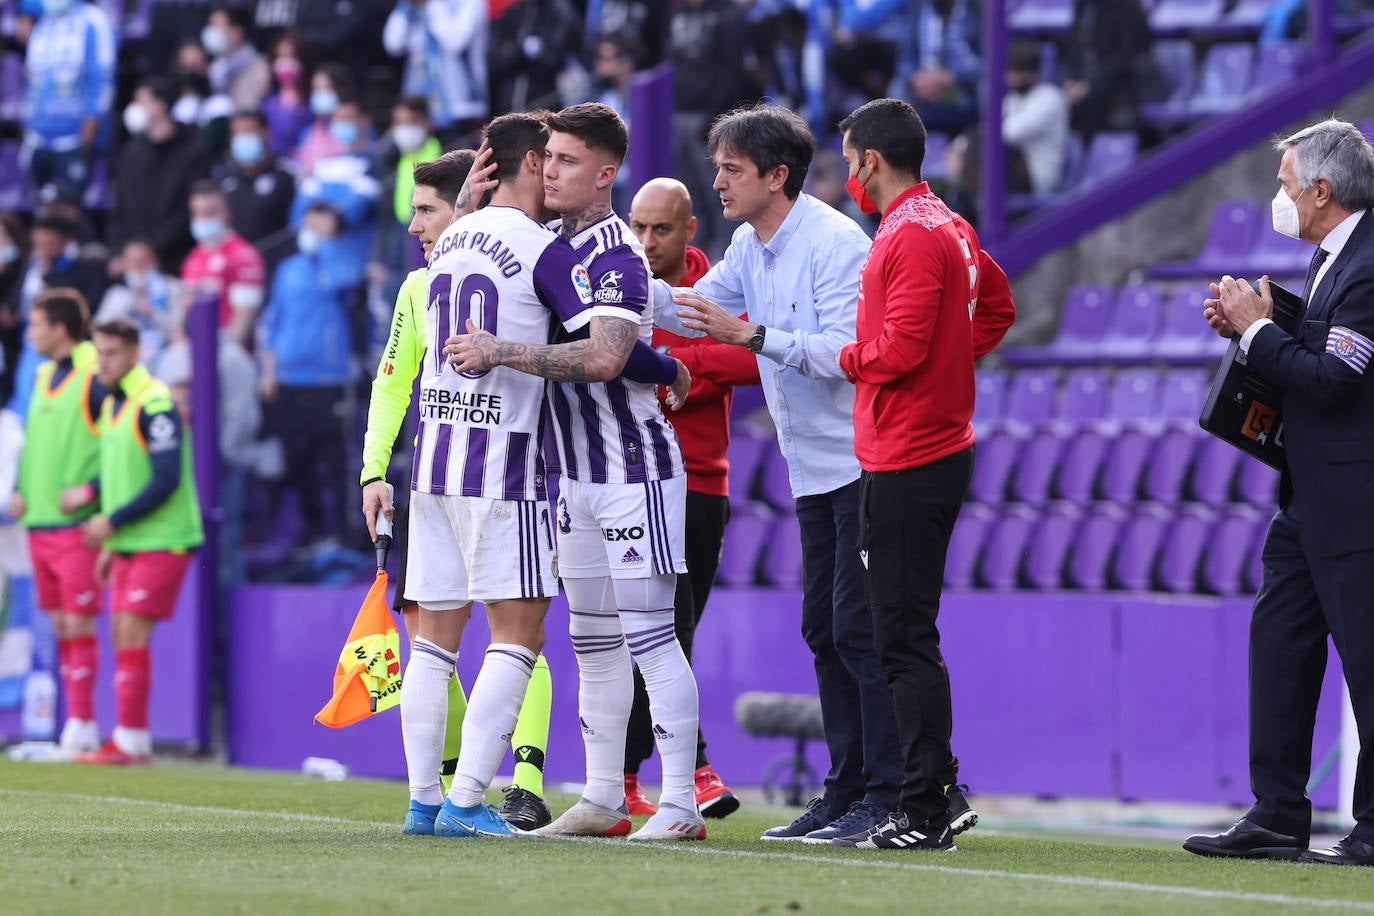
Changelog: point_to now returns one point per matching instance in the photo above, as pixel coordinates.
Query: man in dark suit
(1319, 551)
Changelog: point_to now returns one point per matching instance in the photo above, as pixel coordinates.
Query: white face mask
(1283, 211)
(135, 119)
(408, 137)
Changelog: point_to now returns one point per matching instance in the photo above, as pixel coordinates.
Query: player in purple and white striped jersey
(622, 501)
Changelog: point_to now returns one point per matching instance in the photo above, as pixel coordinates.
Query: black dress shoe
(1246, 840)
(1349, 851)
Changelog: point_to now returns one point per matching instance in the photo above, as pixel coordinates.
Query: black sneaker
(961, 815)
(816, 816)
(897, 832)
(524, 810)
(859, 819)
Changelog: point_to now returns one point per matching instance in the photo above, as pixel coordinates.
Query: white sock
(493, 707)
(137, 742)
(424, 715)
(672, 692)
(605, 688)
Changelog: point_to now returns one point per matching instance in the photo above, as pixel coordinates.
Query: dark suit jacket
(1328, 405)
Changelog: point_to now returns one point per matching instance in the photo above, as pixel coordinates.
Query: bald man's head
(661, 218)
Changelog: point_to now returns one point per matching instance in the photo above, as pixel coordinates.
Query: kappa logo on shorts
(631, 556)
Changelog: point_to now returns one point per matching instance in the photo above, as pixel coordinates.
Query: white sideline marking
(1069, 880)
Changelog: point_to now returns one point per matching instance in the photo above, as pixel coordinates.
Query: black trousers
(1304, 598)
(706, 519)
(307, 422)
(856, 703)
(906, 518)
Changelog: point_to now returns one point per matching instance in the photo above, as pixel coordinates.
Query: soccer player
(623, 493)
(61, 454)
(437, 184)
(147, 528)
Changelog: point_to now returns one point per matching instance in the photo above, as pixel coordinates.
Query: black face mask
(195, 83)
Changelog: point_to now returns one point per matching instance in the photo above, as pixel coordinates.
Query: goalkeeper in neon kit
(437, 185)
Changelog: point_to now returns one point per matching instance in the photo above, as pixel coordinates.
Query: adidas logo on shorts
(632, 556)
(661, 733)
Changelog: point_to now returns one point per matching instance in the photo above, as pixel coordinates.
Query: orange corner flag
(367, 679)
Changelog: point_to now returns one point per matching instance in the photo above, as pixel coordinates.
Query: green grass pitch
(176, 838)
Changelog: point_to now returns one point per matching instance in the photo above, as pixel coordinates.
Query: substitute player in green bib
(437, 185)
(61, 453)
(147, 528)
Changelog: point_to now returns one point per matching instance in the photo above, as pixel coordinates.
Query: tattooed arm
(598, 358)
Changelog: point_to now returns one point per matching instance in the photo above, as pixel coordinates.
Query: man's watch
(755, 343)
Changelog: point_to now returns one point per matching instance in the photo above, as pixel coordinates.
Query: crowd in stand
(261, 155)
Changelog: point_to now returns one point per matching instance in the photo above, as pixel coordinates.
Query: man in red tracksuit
(931, 301)
(661, 217)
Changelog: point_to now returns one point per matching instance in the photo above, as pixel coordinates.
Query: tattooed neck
(574, 223)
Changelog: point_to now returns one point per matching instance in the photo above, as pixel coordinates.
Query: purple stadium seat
(1179, 15)
(745, 454)
(1176, 61)
(1276, 65)
(1182, 394)
(1134, 396)
(1228, 550)
(1045, 554)
(1082, 323)
(11, 179)
(1227, 246)
(750, 526)
(1030, 399)
(1184, 337)
(1257, 484)
(966, 544)
(1248, 14)
(11, 87)
(1006, 547)
(774, 484)
(991, 397)
(1124, 465)
(782, 560)
(1179, 560)
(1083, 396)
(1275, 254)
(934, 166)
(1171, 455)
(1040, 15)
(1141, 537)
(1214, 471)
(992, 464)
(1135, 321)
(1079, 467)
(1225, 78)
(1096, 539)
(1109, 153)
(1036, 465)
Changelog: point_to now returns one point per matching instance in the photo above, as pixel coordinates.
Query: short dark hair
(446, 174)
(162, 88)
(511, 136)
(340, 79)
(239, 17)
(595, 124)
(123, 328)
(1023, 56)
(67, 307)
(415, 104)
(59, 224)
(251, 114)
(205, 187)
(770, 136)
(890, 127)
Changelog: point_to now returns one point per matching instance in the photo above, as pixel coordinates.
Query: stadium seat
(1171, 455)
(1082, 323)
(1133, 398)
(990, 397)
(1214, 471)
(750, 526)
(1030, 399)
(1096, 539)
(1047, 550)
(1181, 15)
(997, 453)
(745, 454)
(1109, 153)
(1135, 320)
(1176, 61)
(1178, 563)
(775, 485)
(1181, 396)
(1228, 550)
(1041, 15)
(1276, 65)
(1006, 547)
(1256, 483)
(934, 166)
(1225, 78)
(1141, 538)
(1184, 337)
(966, 544)
(1083, 396)
(1277, 255)
(1079, 467)
(1124, 466)
(1035, 468)
(1226, 249)
(11, 87)
(1248, 15)
(782, 559)
(12, 196)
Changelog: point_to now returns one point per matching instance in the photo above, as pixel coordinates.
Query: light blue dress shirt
(803, 285)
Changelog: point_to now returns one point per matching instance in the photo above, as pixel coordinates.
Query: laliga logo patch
(583, 281)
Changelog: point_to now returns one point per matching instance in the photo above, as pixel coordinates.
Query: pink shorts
(64, 571)
(147, 583)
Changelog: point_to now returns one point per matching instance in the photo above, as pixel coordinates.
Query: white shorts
(471, 548)
(621, 530)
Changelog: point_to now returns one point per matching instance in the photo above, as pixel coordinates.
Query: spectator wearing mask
(306, 365)
(259, 189)
(938, 65)
(223, 264)
(197, 102)
(409, 142)
(444, 43)
(1106, 58)
(287, 110)
(330, 87)
(236, 70)
(645, 19)
(532, 45)
(147, 297)
(1035, 123)
(55, 260)
(156, 170)
(69, 67)
(345, 182)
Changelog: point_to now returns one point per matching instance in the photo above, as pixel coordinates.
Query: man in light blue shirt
(794, 267)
